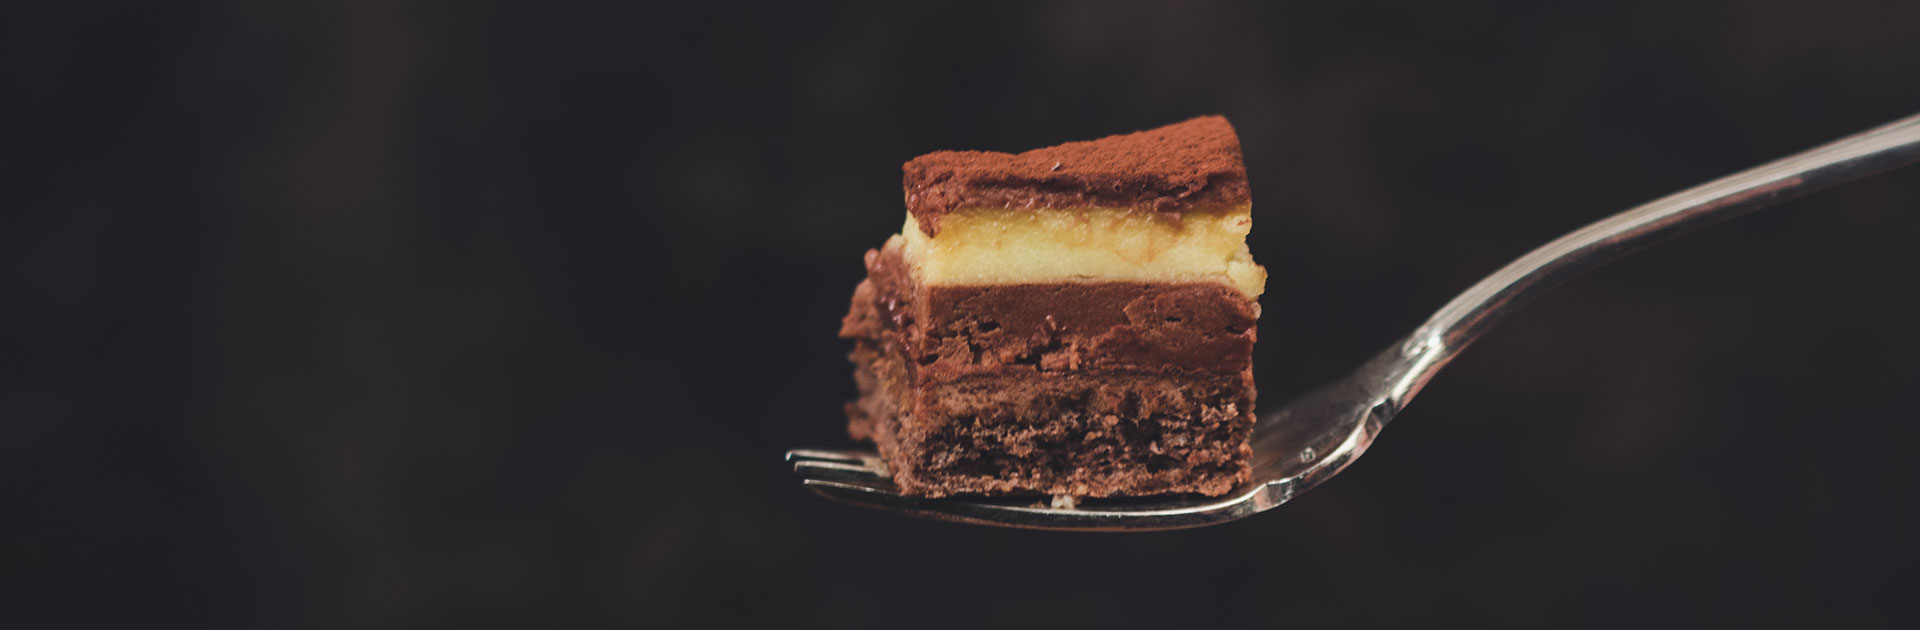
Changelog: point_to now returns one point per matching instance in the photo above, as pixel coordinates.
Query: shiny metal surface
(1313, 438)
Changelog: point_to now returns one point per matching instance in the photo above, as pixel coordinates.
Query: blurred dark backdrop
(383, 315)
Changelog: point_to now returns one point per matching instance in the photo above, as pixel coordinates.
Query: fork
(1316, 436)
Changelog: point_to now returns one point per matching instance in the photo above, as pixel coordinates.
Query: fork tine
(870, 493)
(812, 469)
(802, 454)
(881, 494)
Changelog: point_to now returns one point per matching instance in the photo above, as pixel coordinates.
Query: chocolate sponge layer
(1094, 435)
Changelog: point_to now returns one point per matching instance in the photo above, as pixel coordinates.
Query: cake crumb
(1065, 502)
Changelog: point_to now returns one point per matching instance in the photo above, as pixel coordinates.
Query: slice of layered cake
(1075, 320)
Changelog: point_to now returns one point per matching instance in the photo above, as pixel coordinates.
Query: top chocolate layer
(1171, 169)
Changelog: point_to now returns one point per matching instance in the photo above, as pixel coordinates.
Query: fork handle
(1461, 321)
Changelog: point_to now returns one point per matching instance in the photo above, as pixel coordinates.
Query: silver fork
(1316, 436)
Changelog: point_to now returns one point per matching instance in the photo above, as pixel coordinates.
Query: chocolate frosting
(1183, 166)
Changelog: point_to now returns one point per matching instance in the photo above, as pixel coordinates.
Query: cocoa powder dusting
(1169, 170)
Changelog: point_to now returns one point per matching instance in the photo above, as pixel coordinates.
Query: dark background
(383, 315)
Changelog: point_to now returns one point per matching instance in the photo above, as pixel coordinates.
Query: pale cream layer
(1002, 246)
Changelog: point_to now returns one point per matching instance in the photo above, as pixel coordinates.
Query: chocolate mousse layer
(960, 330)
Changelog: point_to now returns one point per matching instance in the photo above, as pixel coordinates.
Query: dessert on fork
(1074, 320)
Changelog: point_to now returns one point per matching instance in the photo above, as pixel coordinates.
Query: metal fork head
(1294, 449)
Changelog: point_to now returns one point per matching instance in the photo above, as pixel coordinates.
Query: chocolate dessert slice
(1075, 320)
